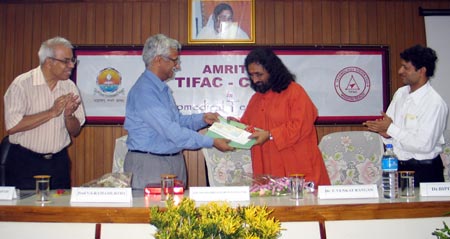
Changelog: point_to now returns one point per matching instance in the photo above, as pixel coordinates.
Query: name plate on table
(101, 195)
(241, 193)
(435, 189)
(348, 191)
(8, 193)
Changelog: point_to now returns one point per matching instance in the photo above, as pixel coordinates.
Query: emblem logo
(352, 84)
(109, 81)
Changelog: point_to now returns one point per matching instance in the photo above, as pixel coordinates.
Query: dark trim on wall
(434, 12)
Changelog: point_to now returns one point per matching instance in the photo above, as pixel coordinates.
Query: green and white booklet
(233, 131)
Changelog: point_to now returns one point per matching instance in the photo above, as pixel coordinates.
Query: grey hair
(48, 46)
(156, 45)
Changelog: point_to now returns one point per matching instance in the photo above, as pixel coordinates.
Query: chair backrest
(3, 157)
(445, 155)
(228, 168)
(352, 157)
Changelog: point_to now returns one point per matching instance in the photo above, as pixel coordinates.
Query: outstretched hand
(233, 118)
(210, 117)
(261, 136)
(222, 145)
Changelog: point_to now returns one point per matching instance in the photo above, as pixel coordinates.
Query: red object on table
(155, 189)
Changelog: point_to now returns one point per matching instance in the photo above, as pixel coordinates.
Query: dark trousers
(22, 164)
(426, 171)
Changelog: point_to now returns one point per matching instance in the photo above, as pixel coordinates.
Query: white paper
(348, 191)
(94, 194)
(238, 193)
(8, 193)
(231, 132)
(435, 189)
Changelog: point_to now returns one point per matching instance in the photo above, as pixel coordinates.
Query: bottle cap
(389, 146)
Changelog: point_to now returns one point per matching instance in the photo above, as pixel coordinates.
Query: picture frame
(221, 22)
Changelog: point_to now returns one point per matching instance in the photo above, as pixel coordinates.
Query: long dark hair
(280, 76)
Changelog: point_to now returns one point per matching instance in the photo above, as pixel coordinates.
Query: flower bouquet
(266, 185)
(214, 220)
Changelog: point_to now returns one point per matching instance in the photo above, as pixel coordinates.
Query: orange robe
(289, 116)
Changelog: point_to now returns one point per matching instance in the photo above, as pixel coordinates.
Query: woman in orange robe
(287, 143)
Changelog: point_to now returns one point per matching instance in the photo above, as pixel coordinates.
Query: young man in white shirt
(415, 119)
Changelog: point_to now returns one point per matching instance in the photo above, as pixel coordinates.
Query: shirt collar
(420, 93)
(38, 76)
(161, 85)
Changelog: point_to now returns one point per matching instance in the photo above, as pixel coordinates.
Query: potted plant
(442, 233)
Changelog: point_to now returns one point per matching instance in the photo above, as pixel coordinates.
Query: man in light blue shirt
(157, 131)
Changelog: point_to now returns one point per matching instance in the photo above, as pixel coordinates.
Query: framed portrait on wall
(218, 21)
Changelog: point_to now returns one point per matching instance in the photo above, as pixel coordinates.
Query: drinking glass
(296, 183)
(167, 186)
(406, 184)
(42, 188)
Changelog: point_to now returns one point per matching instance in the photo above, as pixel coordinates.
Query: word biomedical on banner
(348, 84)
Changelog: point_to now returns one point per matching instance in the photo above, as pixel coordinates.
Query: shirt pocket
(411, 121)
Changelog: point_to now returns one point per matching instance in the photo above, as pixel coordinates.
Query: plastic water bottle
(389, 168)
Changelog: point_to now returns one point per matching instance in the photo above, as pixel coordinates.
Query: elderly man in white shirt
(42, 111)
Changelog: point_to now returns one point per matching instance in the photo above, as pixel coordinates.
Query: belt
(146, 152)
(47, 156)
(418, 162)
(40, 155)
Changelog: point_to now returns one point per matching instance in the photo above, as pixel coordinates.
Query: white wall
(438, 37)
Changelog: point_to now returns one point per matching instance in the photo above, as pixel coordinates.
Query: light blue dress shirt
(154, 123)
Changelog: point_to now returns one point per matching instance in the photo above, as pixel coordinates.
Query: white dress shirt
(419, 120)
(29, 94)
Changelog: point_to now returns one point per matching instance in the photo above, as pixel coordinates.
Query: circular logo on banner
(109, 80)
(352, 84)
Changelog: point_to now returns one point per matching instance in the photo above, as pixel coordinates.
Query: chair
(352, 157)
(445, 155)
(5, 145)
(120, 151)
(228, 168)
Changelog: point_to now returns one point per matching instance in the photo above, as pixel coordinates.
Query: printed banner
(346, 85)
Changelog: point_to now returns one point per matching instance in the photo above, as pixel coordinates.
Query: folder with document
(233, 131)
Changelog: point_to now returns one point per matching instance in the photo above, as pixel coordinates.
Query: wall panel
(297, 22)
(308, 22)
(279, 24)
(25, 24)
(269, 22)
(288, 21)
(327, 24)
(136, 20)
(381, 22)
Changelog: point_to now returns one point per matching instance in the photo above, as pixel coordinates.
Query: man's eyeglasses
(177, 60)
(66, 61)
